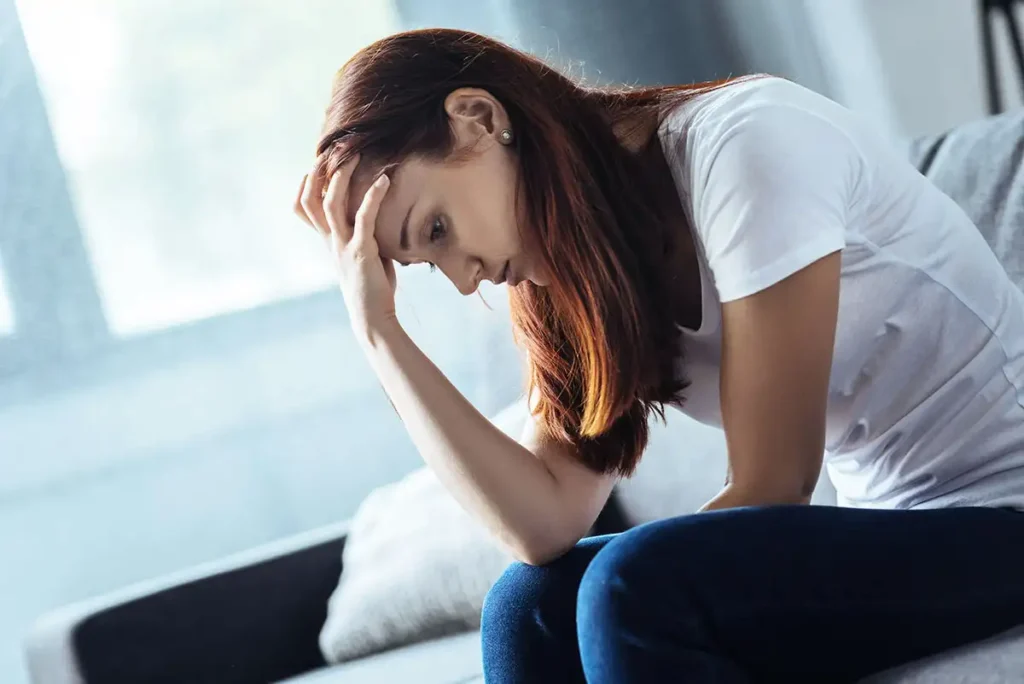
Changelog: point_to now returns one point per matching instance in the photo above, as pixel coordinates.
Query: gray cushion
(981, 166)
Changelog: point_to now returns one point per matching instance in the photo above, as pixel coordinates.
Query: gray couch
(255, 617)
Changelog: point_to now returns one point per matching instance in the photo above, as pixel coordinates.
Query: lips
(507, 275)
(511, 276)
(503, 275)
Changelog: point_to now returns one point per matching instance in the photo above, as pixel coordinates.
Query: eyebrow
(403, 238)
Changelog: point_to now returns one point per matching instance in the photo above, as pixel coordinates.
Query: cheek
(507, 222)
(485, 219)
(479, 196)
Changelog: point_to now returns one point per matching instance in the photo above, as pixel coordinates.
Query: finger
(297, 207)
(334, 205)
(335, 199)
(311, 202)
(366, 217)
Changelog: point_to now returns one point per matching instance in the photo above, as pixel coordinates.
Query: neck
(636, 129)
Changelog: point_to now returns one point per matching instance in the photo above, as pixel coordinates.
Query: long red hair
(602, 339)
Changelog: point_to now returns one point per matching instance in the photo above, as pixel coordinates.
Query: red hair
(602, 339)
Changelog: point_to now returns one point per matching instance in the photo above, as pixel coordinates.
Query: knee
(643, 572)
(607, 584)
(530, 605)
(526, 597)
(528, 623)
(509, 601)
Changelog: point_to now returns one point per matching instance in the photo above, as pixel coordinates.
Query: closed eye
(406, 263)
(438, 231)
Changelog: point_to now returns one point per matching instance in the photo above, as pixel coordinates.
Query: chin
(538, 279)
(530, 275)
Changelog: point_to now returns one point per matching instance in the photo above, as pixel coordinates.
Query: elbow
(542, 554)
(544, 550)
(535, 559)
(804, 489)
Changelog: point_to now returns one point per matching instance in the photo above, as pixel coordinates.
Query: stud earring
(505, 136)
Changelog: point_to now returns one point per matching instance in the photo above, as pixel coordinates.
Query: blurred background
(177, 378)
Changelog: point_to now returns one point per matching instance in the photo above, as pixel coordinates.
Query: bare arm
(776, 360)
(536, 498)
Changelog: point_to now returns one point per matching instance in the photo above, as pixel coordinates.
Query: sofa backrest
(981, 166)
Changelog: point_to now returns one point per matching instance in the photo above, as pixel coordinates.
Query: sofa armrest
(251, 618)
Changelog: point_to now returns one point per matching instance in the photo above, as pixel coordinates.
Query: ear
(475, 115)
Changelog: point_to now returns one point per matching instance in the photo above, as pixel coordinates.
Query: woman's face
(460, 214)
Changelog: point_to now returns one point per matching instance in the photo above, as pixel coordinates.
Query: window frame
(61, 337)
(59, 321)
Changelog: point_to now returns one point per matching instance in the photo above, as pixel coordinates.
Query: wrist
(373, 332)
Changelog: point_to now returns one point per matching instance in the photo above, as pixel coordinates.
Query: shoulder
(763, 117)
(767, 170)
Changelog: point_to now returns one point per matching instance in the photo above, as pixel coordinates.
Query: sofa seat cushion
(456, 660)
(994, 661)
(451, 660)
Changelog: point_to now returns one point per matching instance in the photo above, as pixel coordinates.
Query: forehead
(410, 180)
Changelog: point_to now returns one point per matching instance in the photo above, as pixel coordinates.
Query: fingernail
(382, 181)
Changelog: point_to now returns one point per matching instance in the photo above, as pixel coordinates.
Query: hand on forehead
(392, 209)
(362, 179)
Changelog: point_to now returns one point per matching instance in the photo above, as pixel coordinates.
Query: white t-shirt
(926, 395)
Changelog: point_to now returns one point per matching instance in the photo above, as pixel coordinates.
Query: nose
(465, 274)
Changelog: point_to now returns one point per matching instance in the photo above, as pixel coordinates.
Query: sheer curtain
(6, 315)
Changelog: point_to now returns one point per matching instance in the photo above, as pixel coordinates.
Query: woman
(746, 251)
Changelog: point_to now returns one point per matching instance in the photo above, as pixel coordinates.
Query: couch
(255, 617)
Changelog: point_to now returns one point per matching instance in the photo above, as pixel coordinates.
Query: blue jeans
(779, 594)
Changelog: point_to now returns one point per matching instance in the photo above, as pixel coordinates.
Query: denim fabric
(777, 594)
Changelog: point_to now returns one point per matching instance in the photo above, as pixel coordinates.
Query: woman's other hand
(367, 280)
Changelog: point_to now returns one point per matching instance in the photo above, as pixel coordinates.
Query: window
(184, 128)
(6, 315)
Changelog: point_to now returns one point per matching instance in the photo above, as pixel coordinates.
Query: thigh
(811, 593)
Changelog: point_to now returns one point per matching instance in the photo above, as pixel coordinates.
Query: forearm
(494, 477)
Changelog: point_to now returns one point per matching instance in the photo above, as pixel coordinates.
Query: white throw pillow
(415, 566)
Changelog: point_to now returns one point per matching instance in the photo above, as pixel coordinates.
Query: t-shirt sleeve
(772, 184)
